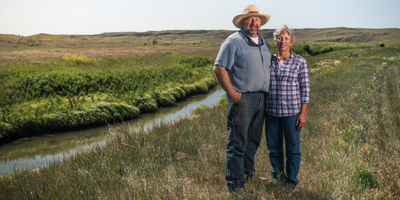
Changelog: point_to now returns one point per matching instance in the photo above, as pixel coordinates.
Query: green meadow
(350, 145)
(78, 90)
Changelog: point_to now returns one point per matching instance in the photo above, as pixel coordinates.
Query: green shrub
(146, 104)
(222, 101)
(210, 82)
(195, 61)
(100, 113)
(178, 92)
(5, 129)
(200, 109)
(78, 59)
(163, 99)
(302, 49)
(364, 178)
(201, 88)
(190, 89)
(327, 49)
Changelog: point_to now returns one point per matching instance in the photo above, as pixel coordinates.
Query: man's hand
(225, 82)
(235, 97)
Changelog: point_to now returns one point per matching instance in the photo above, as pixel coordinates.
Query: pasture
(350, 145)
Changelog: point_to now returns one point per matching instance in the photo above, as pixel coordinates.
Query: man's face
(251, 25)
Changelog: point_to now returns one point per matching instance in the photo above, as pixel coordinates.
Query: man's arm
(225, 82)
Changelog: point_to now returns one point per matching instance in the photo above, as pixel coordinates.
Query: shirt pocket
(292, 75)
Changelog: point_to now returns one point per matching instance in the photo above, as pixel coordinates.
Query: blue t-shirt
(247, 63)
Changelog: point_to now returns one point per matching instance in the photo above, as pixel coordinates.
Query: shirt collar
(275, 56)
(250, 41)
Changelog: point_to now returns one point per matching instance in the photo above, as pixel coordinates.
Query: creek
(54, 148)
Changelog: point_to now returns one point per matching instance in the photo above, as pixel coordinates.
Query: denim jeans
(277, 128)
(244, 128)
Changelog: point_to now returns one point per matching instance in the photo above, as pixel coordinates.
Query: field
(350, 145)
(48, 90)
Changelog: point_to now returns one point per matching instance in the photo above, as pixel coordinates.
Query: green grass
(350, 147)
(49, 96)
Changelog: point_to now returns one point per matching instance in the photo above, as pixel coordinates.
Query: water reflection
(52, 148)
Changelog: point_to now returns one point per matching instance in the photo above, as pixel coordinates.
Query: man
(242, 70)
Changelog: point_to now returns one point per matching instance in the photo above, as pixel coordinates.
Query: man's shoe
(251, 176)
(241, 192)
(288, 188)
(274, 183)
(233, 189)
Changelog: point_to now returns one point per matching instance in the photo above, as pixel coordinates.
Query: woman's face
(284, 42)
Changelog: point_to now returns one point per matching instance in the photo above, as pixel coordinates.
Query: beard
(252, 32)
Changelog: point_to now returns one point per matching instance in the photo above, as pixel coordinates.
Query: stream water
(50, 148)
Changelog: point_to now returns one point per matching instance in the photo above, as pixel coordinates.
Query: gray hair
(286, 29)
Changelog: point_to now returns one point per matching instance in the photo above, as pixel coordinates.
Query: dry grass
(44, 55)
(353, 122)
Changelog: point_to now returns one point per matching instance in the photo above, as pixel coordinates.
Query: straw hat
(249, 11)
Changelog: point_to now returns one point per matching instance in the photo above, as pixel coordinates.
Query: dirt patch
(325, 63)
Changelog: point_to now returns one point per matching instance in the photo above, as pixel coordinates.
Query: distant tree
(155, 41)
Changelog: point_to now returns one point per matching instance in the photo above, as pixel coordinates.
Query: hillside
(352, 35)
(303, 35)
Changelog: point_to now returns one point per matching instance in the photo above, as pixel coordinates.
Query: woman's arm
(304, 81)
(301, 119)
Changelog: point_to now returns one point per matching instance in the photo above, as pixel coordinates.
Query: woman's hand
(301, 120)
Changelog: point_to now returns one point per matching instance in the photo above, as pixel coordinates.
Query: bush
(201, 88)
(178, 92)
(200, 109)
(222, 101)
(164, 99)
(78, 59)
(98, 114)
(5, 128)
(327, 49)
(154, 41)
(146, 104)
(190, 89)
(195, 61)
(364, 178)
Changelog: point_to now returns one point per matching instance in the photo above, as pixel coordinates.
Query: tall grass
(21, 84)
(60, 114)
(69, 90)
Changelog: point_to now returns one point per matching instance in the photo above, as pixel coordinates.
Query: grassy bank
(76, 90)
(350, 146)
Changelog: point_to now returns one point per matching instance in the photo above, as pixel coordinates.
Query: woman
(286, 107)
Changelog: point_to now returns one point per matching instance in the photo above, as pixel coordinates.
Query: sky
(89, 17)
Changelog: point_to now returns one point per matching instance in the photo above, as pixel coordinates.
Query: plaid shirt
(289, 86)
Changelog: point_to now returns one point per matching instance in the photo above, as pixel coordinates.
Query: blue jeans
(277, 128)
(244, 125)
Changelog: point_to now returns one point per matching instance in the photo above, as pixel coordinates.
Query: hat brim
(236, 20)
